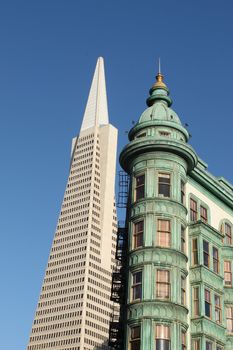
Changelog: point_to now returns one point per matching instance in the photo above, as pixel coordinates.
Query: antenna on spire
(159, 66)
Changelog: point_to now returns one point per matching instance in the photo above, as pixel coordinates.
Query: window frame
(204, 218)
(229, 272)
(218, 309)
(206, 253)
(163, 233)
(208, 302)
(137, 188)
(196, 301)
(135, 340)
(193, 210)
(215, 260)
(138, 235)
(182, 191)
(182, 239)
(195, 254)
(229, 318)
(135, 285)
(183, 290)
(164, 336)
(164, 175)
(160, 284)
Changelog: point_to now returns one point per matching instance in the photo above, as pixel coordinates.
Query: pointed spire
(96, 112)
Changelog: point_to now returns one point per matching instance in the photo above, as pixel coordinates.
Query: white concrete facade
(74, 308)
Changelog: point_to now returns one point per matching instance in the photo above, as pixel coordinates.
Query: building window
(193, 210)
(162, 341)
(228, 233)
(218, 310)
(195, 251)
(195, 301)
(137, 285)
(182, 192)
(219, 347)
(208, 345)
(163, 284)
(164, 233)
(215, 260)
(183, 241)
(135, 338)
(183, 338)
(164, 181)
(207, 303)
(138, 234)
(139, 187)
(229, 314)
(227, 274)
(183, 290)
(204, 217)
(206, 256)
(196, 344)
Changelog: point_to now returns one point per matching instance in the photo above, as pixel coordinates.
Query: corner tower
(158, 160)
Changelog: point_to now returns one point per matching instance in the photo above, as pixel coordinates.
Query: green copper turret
(158, 160)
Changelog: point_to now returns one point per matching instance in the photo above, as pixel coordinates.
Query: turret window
(164, 182)
(183, 240)
(182, 192)
(163, 233)
(206, 256)
(183, 290)
(207, 303)
(135, 338)
(195, 251)
(229, 316)
(204, 217)
(215, 260)
(228, 233)
(195, 301)
(227, 273)
(163, 337)
(163, 284)
(218, 308)
(138, 234)
(137, 285)
(139, 187)
(184, 342)
(193, 210)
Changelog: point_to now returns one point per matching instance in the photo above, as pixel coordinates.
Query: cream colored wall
(218, 211)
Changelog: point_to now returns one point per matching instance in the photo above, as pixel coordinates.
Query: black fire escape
(118, 291)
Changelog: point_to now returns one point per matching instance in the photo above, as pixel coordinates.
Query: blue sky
(48, 54)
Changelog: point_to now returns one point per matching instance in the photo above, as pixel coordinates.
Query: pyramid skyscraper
(74, 308)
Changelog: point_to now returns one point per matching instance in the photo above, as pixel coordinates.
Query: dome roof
(159, 111)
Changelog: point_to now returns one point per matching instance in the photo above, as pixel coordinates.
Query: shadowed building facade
(180, 247)
(74, 307)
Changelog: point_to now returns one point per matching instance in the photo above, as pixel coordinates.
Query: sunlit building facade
(74, 307)
(180, 245)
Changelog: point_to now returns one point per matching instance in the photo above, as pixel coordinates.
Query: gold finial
(159, 79)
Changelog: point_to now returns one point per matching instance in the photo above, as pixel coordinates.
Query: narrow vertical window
(195, 251)
(164, 182)
(206, 257)
(227, 273)
(162, 341)
(229, 316)
(163, 284)
(138, 234)
(183, 338)
(196, 344)
(215, 260)
(163, 233)
(204, 217)
(135, 338)
(137, 285)
(228, 234)
(208, 345)
(182, 192)
(193, 210)
(218, 309)
(139, 187)
(207, 303)
(183, 240)
(195, 301)
(183, 290)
